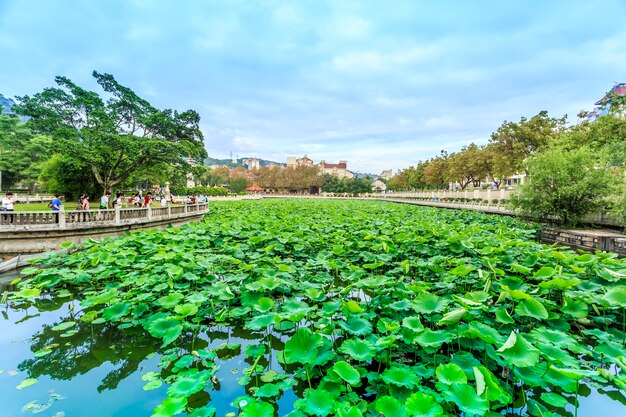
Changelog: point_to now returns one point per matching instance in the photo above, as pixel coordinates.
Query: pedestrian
(163, 201)
(7, 206)
(55, 205)
(79, 203)
(147, 199)
(119, 200)
(104, 201)
(85, 207)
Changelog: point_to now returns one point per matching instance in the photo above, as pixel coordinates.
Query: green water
(97, 371)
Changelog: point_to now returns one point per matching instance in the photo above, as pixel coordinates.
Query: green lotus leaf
(427, 303)
(487, 334)
(264, 304)
(559, 283)
(356, 326)
(28, 293)
(166, 328)
(452, 317)
(171, 300)
(401, 305)
(359, 350)
(465, 397)
(347, 372)
(423, 405)
(386, 341)
(186, 310)
(260, 322)
(533, 308)
(544, 272)
(89, 316)
(353, 307)
(554, 399)
(575, 308)
(266, 283)
(257, 409)
(518, 351)
(348, 411)
(268, 391)
(255, 350)
(63, 326)
(462, 270)
(390, 407)
(401, 377)
(616, 296)
(188, 385)
(433, 339)
(573, 373)
(26, 383)
(503, 316)
(302, 346)
(206, 411)
(116, 312)
(170, 407)
(488, 387)
(316, 402)
(154, 384)
(102, 298)
(451, 373)
(413, 323)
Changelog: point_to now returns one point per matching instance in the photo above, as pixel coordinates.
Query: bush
(208, 191)
(563, 186)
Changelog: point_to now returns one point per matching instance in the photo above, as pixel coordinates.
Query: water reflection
(96, 369)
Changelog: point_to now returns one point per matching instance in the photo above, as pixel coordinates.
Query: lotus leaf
(616, 296)
(532, 308)
(207, 411)
(433, 339)
(356, 326)
(257, 409)
(390, 407)
(116, 312)
(452, 317)
(358, 349)
(186, 310)
(423, 405)
(186, 386)
(347, 372)
(465, 397)
(171, 300)
(401, 376)
(302, 346)
(517, 351)
(26, 383)
(428, 303)
(450, 374)
(316, 402)
(170, 407)
(166, 328)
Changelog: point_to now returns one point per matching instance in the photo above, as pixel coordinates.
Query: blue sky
(382, 84)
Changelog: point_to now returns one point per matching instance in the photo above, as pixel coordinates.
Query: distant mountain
(5, 104)
(240, 162)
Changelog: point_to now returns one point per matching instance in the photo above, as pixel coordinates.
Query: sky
(381, 84)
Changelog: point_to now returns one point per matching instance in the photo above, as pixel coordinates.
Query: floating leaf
(26, 383)
(170, 407)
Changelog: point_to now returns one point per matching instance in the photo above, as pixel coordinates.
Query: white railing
(84, 218)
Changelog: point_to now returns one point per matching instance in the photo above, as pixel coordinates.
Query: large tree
(22, 154)
(114, 137)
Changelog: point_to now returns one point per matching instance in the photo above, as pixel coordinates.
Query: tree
(563, 186)
(435, 171)
(514, 142)
(115, 137)
(22, 153)
(238, 185)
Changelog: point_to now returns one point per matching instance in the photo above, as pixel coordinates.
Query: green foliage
(367, 307)
(207, 191)
(22, 153)
(563, 186)
(113, 138)
(351, 186)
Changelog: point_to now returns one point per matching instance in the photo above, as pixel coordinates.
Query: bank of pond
(318, 308)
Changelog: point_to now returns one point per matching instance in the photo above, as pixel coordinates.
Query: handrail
(63, 219)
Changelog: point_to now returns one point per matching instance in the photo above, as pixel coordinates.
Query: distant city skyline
(381, 85)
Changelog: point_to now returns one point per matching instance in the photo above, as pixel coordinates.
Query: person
(7, 206)
(119, 200)
(163, 201)
(55, 205)
(147, 199)
(85, 207)
(104, 201)
(79, 205)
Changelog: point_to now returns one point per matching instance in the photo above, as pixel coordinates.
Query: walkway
(36, 231)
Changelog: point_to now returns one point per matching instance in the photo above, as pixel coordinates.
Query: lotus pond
(318, 308)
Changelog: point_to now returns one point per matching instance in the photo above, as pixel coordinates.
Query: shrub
(563, 186)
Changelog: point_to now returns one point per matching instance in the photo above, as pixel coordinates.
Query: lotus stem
(576, 405)
(308, 377)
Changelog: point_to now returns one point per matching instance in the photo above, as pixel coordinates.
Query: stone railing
(67, 219)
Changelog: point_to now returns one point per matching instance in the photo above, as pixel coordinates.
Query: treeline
(570, 171)
(502, 157)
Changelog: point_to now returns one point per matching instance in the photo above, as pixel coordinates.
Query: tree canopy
(115, 136)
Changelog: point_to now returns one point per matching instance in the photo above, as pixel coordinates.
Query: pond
(347, 309)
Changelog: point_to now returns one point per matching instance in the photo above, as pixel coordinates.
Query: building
(386, 175)
(339, 170)
(378, 186)
(603, 105)
(251, 163)
(292, 161)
